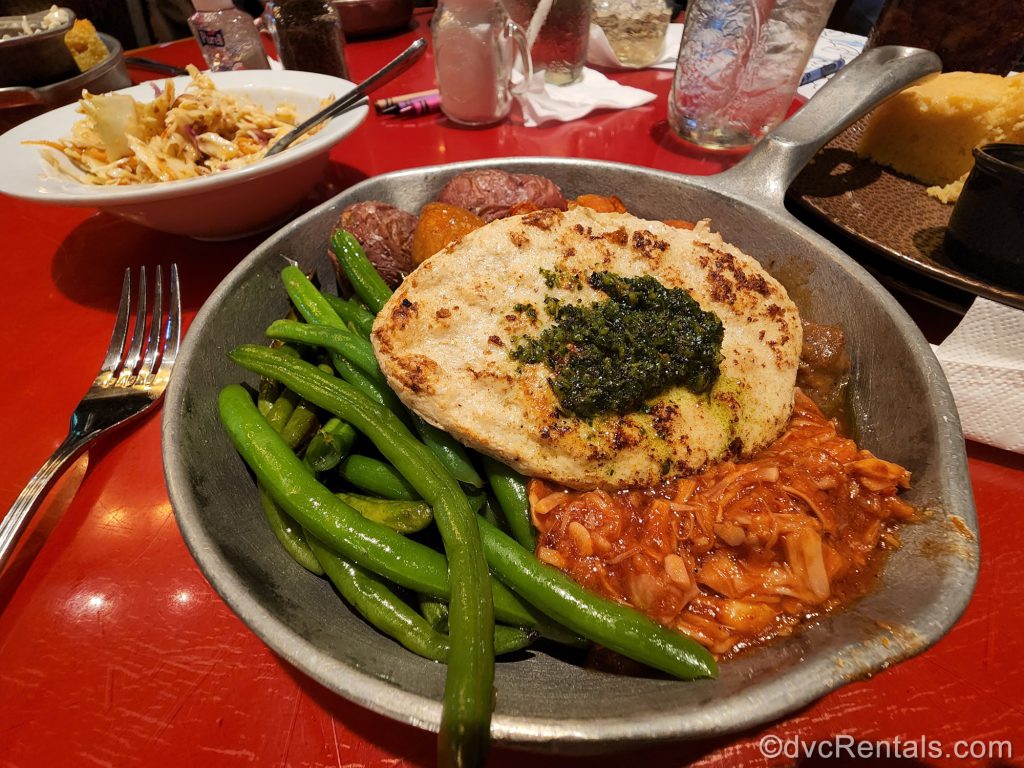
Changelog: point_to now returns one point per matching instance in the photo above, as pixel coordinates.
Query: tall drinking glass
(559, 46)
(739, 66)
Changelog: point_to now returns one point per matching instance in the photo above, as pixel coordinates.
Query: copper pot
(19, 103)
(34, 59)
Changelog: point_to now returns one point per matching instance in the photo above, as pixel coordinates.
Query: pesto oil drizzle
(613, 355)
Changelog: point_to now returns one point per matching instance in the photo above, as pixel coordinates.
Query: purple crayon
(420, 106)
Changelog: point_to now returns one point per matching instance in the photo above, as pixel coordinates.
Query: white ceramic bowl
(220, 206)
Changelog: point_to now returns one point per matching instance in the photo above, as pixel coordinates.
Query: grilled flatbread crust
(443, 341)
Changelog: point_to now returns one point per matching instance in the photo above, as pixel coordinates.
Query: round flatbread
(445, 338)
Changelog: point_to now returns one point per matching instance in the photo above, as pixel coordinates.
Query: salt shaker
(474, 50)
(308, 36)
(227, 36)
(739, 66)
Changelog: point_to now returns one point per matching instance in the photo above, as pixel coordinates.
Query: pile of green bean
(322, 403)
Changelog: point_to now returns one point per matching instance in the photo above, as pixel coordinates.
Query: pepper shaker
(308, 36)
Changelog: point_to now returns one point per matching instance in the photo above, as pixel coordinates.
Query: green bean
(372, 545)
(621, 629)
(304, 418)
(268, 393)
(353, 313)
(329, 445)
(282, 409)
(415, 566)
(376, 391)
(435, 612)
(377, 478)
(477, 502)
(401, 516)
(382, 608)
(511, 639)
(328, 330)
(487, 513)
(355, 349)
(288, 533)
(371, 597)
(466, 714)
(308, 301)
(318, 309)
(300, 424)
(366, 282)
(509, 488)
(288, 408)
(449, 452)
(312, 305)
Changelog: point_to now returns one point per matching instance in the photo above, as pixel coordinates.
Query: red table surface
(114, 650)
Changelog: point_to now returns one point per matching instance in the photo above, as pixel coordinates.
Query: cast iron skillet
(904, 412)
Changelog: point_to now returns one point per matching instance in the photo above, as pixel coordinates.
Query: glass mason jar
(635, 29)
(559, 46)
(474, 49)
(739, 66)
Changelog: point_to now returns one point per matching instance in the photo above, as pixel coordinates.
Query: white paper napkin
(544, 103)
(984, 362)
(600, 53)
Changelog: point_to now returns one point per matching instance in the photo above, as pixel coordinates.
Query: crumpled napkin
(543, 103)
(600, 53)
(983, 360)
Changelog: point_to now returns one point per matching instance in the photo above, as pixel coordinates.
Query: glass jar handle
(514, 31)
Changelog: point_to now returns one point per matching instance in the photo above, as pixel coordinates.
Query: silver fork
(131, 380)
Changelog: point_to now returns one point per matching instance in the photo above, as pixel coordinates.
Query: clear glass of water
(739, 66)
(560, 47)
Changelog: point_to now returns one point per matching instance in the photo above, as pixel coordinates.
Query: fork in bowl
(131, 380)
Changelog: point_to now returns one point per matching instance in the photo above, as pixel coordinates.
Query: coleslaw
(122, 141)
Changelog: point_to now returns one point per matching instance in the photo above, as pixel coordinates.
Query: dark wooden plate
(889, 213)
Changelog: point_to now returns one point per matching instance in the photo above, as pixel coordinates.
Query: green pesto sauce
(527, 309)
(612, 355)
(560, 278)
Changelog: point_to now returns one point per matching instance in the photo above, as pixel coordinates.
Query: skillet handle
(875, 75)
(19, 96)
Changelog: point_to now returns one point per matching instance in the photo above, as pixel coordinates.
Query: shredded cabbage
(122, 141)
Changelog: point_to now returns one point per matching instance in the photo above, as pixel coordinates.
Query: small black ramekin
(986, 231)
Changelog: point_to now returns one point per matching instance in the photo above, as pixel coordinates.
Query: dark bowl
(37, 59)
(364, 18)
(20, 103)
(986, 230)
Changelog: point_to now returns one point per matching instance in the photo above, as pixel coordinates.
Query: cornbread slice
(85, 45)
(1004, 123)
(1007, 118)
(929, 130)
